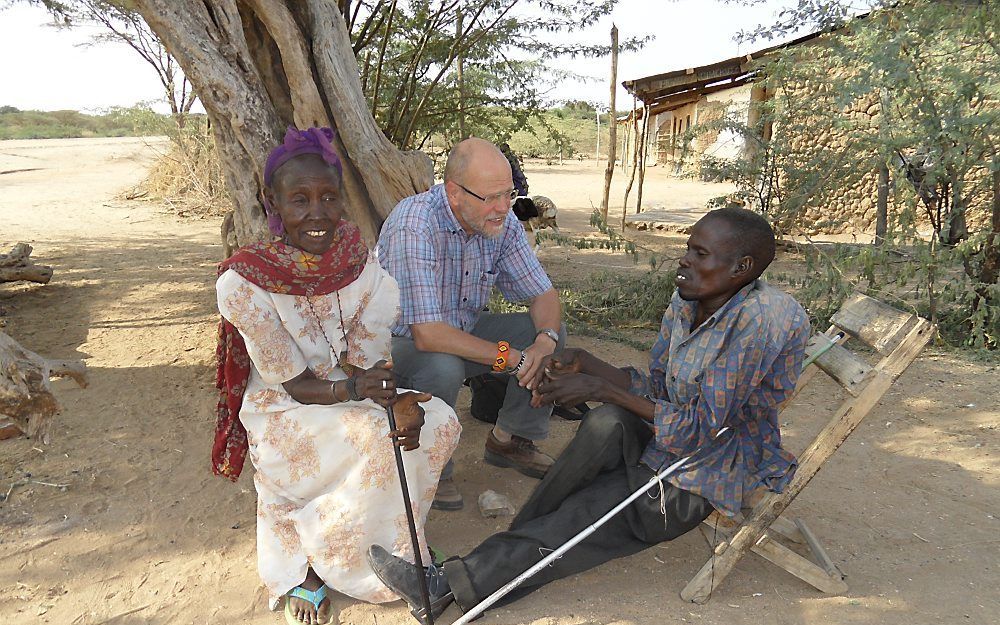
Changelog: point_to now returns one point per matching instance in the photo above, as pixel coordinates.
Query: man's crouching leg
(440, 375)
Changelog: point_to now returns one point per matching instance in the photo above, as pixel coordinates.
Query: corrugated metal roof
(678, 87)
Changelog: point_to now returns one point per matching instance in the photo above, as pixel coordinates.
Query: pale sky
(45, 68)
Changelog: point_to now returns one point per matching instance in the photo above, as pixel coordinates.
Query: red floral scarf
(277, 268)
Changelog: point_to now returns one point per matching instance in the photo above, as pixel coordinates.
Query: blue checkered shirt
(446, 275)
(735, 370)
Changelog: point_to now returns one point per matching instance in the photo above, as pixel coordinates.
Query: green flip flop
(314, 597)
(437, 556)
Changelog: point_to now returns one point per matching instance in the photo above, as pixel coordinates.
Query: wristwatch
(549, 332)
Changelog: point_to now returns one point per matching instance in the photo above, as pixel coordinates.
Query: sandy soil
(122, 522)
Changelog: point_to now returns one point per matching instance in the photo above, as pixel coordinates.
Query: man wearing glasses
(447, 248)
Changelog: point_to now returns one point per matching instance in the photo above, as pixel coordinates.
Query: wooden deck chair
(897, 338)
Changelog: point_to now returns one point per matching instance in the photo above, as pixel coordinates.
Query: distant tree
(123, 24)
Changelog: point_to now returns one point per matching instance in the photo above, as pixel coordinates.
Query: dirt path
(141, 532)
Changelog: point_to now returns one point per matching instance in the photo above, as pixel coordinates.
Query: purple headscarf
(297, 142)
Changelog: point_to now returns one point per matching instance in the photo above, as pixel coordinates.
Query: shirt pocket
(686, 383)
(482, 290)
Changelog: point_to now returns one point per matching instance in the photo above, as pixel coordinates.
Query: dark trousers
(596, 472)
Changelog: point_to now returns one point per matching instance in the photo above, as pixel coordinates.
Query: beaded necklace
(341, 359)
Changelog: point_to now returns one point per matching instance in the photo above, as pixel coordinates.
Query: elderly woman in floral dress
(305, 382)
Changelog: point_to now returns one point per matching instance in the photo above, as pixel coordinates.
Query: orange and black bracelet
(503, 350)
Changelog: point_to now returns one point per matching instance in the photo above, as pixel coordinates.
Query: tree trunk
(958, 231)
(882, 206)
(25, 395)
(17, 266)
(262, 65)
(989, 268)
(612, 124)
(755, 124)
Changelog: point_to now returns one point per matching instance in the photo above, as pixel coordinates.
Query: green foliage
(409, 55)
(612, 306)
(615, 300)
(914, 87)
(909, 273)
(613, 240)
(137, 120)
(556, 132)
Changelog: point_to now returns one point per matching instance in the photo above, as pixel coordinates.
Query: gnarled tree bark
(262, 65)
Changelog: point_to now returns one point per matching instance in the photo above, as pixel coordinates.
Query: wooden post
(625, 144)
(597, 150)
(612, 125)
(635, 158)
(643, 149)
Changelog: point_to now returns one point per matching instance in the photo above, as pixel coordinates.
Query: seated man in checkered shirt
(729, 353)
(447, 248)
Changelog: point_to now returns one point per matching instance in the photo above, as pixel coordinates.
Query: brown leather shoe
(447, 496)
(519, 453)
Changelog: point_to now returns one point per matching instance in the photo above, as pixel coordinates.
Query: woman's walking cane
(572, 542)
(410, 522)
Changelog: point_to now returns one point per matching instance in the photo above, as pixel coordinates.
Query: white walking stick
(572, 542)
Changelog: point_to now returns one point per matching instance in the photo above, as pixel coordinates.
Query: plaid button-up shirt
(735, 370)
(447, 275)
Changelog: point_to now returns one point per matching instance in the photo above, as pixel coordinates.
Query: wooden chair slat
(839, 363)
(875, 324)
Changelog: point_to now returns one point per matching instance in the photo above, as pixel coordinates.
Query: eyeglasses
(506, 197)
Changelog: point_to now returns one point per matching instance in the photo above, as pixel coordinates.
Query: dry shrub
(188, 178)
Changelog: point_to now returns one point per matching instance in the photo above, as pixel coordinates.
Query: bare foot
(306, 612)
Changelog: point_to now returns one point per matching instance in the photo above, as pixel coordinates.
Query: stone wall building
(684, 105)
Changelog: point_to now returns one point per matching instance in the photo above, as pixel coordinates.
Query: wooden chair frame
(899, 338)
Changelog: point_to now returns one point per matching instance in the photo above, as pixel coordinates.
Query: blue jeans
(442, 374)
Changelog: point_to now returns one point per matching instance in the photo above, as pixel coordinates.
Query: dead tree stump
(25, 394)
(17, 266)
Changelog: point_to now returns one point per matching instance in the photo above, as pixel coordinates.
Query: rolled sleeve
(638, 382)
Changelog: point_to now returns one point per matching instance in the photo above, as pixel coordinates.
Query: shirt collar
(447, 217)
(688, 308)
(735, 301)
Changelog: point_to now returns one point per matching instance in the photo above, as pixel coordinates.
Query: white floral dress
(327, 486)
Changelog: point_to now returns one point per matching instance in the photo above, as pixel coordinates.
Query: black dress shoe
(401, 577)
